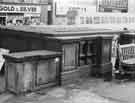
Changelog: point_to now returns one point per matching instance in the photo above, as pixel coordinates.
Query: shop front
(19, 14)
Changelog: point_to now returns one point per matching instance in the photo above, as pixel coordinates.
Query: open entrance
(2, 20)
(49, 18)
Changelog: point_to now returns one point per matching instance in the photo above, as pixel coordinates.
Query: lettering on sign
(20, 9)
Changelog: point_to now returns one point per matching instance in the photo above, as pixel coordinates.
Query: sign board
(19, 8)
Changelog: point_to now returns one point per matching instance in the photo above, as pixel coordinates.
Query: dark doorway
(49, 18)
(3, 20)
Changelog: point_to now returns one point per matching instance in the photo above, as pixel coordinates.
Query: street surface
(84, 90)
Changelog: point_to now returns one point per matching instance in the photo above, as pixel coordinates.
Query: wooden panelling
(52, 70)
(52, 44)
(36, 44)
(106, 48)
(46, 72)
(20, 75)
(11, 76)
(14, 43)
(104, 55)
(70, 56)
(32, 72)
(28, 76)
(42, 73)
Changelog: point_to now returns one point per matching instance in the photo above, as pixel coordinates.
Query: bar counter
(85, 51)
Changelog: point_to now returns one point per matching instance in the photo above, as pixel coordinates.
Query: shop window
(27, 20)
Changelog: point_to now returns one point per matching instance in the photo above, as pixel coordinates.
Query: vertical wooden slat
(11, 77)
(6, 75)
(20, 74)
(28, 76)
(69, 56)
(34, 72)
(42, 73)
(58, 71)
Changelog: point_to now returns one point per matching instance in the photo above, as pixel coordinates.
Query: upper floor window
(112, 6)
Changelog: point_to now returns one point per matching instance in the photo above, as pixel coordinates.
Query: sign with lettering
(19, 8)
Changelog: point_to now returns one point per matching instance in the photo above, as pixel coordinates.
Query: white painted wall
(131, 6)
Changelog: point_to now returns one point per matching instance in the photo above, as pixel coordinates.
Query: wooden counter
(29, 71)
(84, 50)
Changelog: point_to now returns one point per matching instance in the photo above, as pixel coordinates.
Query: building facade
(27, 12)
(67, 12)
(91, 11)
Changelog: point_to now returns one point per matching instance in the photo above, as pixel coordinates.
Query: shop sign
(20, 8)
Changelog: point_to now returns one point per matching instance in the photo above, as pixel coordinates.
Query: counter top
(60, 31)
(30, 55)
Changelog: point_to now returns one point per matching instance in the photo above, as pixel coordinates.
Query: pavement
(123, 92)
(83, 90)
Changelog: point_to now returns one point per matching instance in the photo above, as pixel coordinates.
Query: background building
(68, 12)
(20, 12)
(93, 11)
